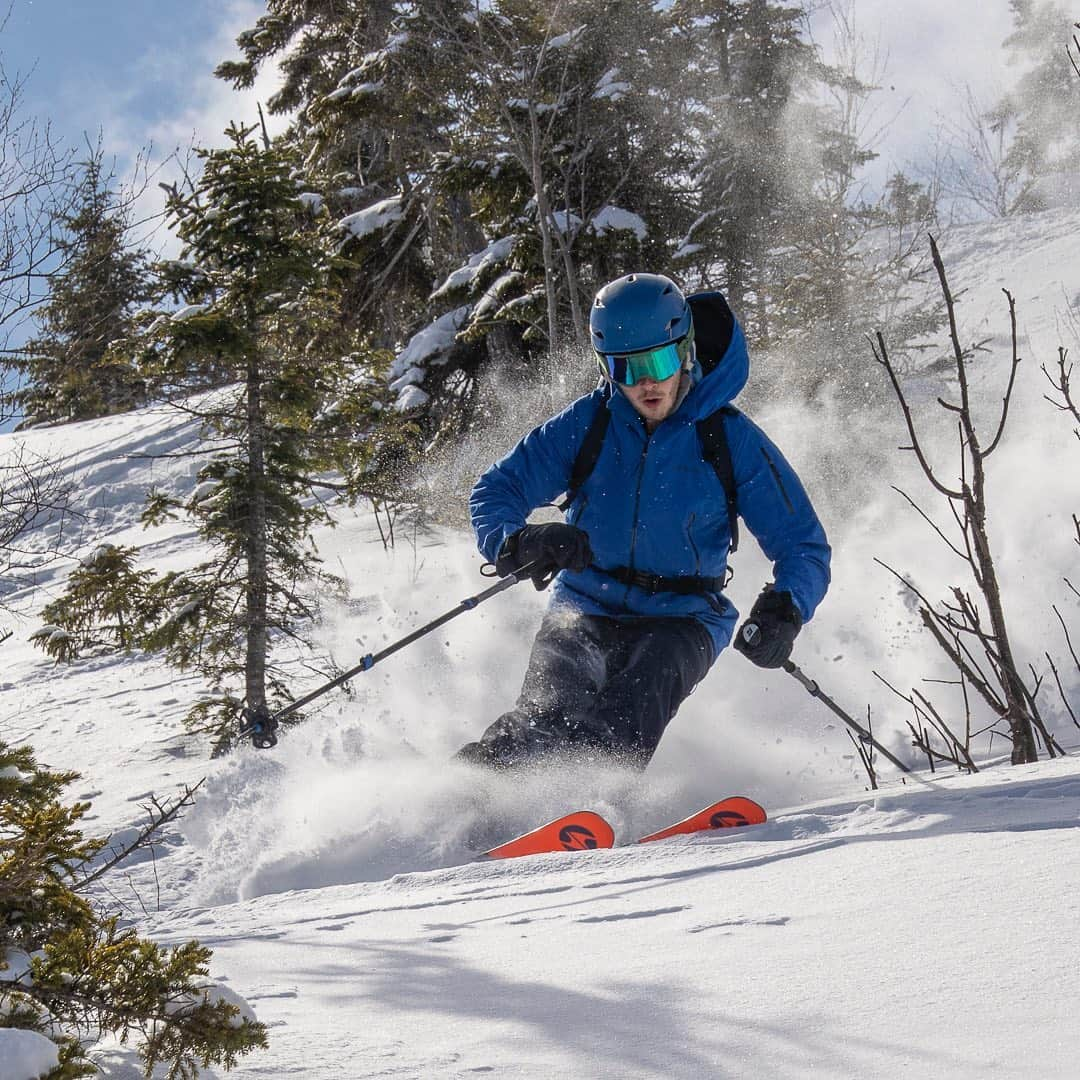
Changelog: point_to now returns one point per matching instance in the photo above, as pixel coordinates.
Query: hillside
(920, 930)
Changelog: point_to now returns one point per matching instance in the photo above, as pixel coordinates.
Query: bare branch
(1063, 385)
(881, 354)
(919, 510)
(1012, 378)
(160, 815)
(1061, 690)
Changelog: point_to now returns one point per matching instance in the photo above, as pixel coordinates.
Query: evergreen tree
(503, 160)
(848, 258)
(1045, 101)
(366, 147)
(490, 167)
(72, 372)
(69, 969)
(567, 154)
(107, 604)
(261, 302)
(750, 61)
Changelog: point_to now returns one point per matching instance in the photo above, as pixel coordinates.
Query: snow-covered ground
(922, 930)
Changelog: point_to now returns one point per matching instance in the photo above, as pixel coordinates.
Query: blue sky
(140, 70)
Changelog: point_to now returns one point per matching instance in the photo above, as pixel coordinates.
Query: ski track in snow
(921, 930)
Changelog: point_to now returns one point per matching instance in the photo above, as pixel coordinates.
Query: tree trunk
(545, 221)
(256, 542)
(1024, 749)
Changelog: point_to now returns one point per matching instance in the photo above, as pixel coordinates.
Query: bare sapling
(928, 722)
(866, 753)
(33, 493)
(1064, 401)
(971, 628)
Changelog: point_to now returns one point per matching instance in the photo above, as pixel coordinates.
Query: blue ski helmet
(641, 327)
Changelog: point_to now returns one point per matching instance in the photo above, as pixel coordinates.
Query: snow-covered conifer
(71, 968)
(107, 604)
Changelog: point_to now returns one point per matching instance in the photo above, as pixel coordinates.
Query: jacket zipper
(779, 482)
(637, 508)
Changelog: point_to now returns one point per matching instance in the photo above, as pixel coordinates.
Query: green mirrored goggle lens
(628, 368)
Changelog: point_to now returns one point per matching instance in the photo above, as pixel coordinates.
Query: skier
(637, 614)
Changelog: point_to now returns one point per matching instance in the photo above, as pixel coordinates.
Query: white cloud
(207, 106)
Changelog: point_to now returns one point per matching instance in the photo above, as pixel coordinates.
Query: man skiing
(637, 614)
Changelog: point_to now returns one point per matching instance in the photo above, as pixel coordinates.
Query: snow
(411, 377)
(616, 219)
(684, 251)
(562, 40)
(374, 218)
(364, 89)
(920, 930)
(489, 302)
(497, 252)
(15, 963)
(411, 397)
(566, 221)
(189, 312)
(611, 86)
(25, 1055)
(395, 43)
(312, 201)
(424, 347)
(99, 552)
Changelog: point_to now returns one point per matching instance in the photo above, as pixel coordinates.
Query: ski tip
(582, 830)
(734, 812)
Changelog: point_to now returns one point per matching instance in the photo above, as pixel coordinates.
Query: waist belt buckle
(651, 583)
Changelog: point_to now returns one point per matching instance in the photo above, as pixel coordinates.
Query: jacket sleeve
(777, 510)
(531, 475)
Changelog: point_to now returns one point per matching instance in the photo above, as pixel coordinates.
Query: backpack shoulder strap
(588, 454)
(716, 450)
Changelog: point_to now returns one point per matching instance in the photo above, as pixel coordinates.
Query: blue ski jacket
(654, 504)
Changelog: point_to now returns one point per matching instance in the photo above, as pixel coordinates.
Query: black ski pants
(598, 685)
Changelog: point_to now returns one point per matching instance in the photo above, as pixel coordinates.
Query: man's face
(654, 401)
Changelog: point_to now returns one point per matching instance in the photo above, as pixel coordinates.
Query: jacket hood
(722, 355)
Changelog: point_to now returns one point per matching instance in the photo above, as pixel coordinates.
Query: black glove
(768, 634)
(545, 549)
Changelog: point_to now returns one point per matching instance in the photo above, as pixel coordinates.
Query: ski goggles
(659, 363)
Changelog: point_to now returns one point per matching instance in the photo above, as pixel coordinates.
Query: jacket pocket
(693, 545)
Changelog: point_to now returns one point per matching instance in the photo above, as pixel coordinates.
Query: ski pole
(262, 726)
(815, 691)
(751, 630)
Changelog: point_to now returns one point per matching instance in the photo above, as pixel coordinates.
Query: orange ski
(726, 814)
(580, 831)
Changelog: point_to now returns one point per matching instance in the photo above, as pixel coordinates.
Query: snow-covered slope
(922, 930)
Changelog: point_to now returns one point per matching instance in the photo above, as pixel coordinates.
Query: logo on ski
(578, 838)
(580, 831)
(725, 814)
